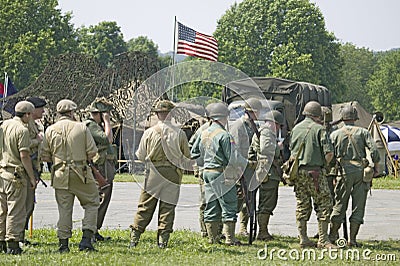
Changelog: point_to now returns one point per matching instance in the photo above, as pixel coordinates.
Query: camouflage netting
(81, 78)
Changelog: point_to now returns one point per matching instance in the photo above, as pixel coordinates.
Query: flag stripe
(193, 43)
(204, 48)
(184, 48)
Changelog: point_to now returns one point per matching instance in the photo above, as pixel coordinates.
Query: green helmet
(100, 105)
(274, 116)
(217, 110)
(253, 105)
(349, 113)
(312, 108)
(163, 106)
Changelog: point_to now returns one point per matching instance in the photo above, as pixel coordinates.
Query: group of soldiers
(229, 162)
(70, 148)
(227, 155)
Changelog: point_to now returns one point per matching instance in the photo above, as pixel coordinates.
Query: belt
(218, 169)
(310, 168)
(352, 162)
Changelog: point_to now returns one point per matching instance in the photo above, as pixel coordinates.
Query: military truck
(286, 96)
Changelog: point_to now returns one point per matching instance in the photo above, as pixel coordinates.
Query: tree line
(275, 38)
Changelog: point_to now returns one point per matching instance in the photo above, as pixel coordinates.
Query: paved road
(382, 220)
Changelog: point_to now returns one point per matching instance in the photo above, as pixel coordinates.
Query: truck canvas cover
(293, 94)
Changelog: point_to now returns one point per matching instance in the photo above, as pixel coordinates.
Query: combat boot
(63, 245)
(354, 228)
(86, 242)
(13, 248)
(229, 229)
(334, 232)
(263, 221)
(304, 240)
(135, 236)
(99, 237)
(323, 241)
(162, 240)
(3, 246)
(213, 232)
(244, 220)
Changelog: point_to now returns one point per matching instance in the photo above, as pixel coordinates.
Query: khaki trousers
(12, 208)
(88, 196)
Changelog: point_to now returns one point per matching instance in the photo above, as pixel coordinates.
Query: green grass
(185, 248)
(387, 182)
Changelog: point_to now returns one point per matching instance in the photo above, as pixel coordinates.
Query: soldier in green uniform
(69, 145)
(164, 149)
(99, 125)
(267, 151)
(16, 174)
(316, 148)
(223, 166)
(198, 172)
(350, 143)
(242, 132)
(36, 136)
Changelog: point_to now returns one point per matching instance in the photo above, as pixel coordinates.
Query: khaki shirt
(164, 145)
(15, 139)
(69, 144)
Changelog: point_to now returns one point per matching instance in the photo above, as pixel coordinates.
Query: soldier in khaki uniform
(69, 145)
(99, 125)
(164, 149)
(242, 132)
(223, 165)
(267, 151)
(350, 143)
(36, 136)
(311, 182)
(16, 174)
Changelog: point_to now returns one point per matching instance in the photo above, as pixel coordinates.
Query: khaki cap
(24, 107)
(66, 105)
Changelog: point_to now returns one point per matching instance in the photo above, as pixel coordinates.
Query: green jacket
(316, 143)
(266, 151)
(105, 148)
(353, 148)
(218, 148)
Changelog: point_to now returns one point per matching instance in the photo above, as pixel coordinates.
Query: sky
(372, 24)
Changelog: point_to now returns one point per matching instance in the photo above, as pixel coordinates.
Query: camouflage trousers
(307, 191)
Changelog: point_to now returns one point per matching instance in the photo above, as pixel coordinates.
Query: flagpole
(4, 93)
(173, 60)
(5, 85)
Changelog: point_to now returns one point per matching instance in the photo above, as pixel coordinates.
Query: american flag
(193, 43)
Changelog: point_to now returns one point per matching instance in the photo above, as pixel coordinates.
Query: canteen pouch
(368, 174)
(290, 170)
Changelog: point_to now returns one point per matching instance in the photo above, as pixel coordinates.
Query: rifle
(250, 196)
(101, 181)
(37, 173)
